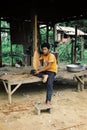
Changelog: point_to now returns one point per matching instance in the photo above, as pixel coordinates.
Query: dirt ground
(69, 108)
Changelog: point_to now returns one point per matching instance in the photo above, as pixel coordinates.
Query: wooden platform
(10, 76)
(17, 80)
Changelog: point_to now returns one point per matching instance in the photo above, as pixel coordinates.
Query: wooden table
(17, 80)
(80, 77)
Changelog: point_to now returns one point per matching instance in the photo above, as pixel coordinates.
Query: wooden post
(82, 85)
(34, 20)
(0, 46)
(82, 47)
(9, 93)
(72, 50)
(11, 55)
(47, 35)
(35, 28)
(78, 86)
(75, 43)
(36, 61)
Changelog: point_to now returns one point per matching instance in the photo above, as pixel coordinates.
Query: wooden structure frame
(80, 78)
(26, 33)
(17, 80)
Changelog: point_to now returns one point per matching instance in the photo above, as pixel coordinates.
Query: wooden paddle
(36, 61)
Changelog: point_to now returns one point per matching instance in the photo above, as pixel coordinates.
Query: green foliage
(64, 50)
(17, 49)
(6, 47)
(17, 52)
(4, 24)
(84, 60)
(43, 32)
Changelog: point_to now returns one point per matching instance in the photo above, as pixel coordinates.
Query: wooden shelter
(67, 32)
(20, 15)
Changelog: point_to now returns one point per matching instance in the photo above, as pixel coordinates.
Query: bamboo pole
(0, 47)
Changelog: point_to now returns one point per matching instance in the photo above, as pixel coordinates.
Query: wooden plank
(19, 79)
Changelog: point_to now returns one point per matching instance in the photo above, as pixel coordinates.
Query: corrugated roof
(70, 30)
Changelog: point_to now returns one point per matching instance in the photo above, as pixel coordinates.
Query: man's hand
(37, 71)
(44, 68)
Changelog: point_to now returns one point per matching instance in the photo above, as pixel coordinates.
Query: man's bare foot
(45, 77)
(48, 102)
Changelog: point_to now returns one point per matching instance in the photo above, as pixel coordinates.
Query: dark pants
(50, 81)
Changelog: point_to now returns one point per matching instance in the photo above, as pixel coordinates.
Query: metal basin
(75, 67)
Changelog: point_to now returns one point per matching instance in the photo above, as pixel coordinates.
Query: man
(48, 71)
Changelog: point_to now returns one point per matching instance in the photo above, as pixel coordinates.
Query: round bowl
(75, 67)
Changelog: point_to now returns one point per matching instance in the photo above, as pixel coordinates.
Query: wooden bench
(80, 81)
(42, 108)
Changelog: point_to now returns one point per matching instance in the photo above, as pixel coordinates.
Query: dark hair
(45, 45)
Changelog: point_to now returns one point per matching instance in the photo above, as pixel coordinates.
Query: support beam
(75, 44)
(0, 47)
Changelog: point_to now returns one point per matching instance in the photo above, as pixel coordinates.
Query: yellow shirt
(49, 58)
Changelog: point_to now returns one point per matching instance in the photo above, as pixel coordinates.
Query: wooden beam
(0, 47)
(75, 44)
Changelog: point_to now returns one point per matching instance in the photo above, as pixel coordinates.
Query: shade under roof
(47, 10)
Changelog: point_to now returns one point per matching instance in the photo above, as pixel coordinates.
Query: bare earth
(69, 109)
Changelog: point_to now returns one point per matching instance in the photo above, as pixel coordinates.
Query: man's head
(45, 48)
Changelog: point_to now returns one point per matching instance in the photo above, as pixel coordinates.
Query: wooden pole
(0, 47)
(72, 50)
(34, 21)
(36, 62)
(47, 33)
(35, 28)
(75, 43)
(82, 48)
(11, 55)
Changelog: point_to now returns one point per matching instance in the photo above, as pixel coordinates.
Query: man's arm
(44, 68)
